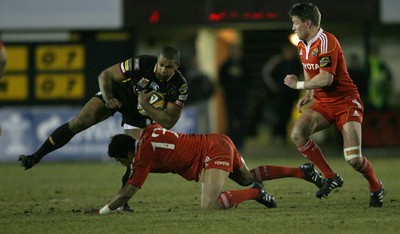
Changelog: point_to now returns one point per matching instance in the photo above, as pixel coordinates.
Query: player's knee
(296, 136)
(79, 123)
(211, 205)
(242, 180)
(245, 181)
(353, 156)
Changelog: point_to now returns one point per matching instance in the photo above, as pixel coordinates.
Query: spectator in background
(273, 73)
(358, 74)
(201, 92)
(233, 77)
(3, 59)
(3, 62)
(380, 81)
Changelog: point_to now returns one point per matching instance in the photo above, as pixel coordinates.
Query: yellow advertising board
(60, 86)
(14, 87)
(59, 57)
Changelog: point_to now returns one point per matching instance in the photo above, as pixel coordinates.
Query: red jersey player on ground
(336, 101)
(160, 150)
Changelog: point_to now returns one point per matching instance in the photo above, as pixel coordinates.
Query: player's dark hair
(171, 53)
(306, 11)
(120, 145)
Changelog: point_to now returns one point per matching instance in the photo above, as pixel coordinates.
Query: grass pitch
(51, 197)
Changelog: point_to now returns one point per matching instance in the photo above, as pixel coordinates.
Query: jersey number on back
(162, 145)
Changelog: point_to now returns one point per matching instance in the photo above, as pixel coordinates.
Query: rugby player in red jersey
(336, 101)
(160, 151)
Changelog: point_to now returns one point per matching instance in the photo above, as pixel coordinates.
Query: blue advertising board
(24, 129)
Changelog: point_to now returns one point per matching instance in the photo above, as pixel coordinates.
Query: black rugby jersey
(138, 69)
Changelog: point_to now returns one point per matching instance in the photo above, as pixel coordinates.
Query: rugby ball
(157, 100)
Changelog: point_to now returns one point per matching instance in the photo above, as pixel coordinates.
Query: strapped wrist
(300, 85)
(105, 210)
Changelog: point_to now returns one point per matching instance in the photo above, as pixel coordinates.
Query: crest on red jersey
(314, 52)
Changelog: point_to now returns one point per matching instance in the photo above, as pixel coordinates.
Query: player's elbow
(325, 79)
(167, 124)
(328, 82)
(322, 83)
(103, 75)
(168, 121)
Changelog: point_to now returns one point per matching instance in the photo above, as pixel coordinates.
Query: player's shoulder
(178, 78)
(139, 63)
(144, 62)
(179, 81)
(328, 42)
(148, 131)
(327, 36)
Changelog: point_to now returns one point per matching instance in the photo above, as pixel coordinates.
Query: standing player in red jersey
(160, 151)
(336, 100)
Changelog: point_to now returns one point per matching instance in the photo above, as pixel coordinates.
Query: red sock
(268, 172)
(311, 151)
(232, 198)
(368, 173)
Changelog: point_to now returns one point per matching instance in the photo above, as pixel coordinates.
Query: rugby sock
(61, 136)
(311, 151)
(268, 172)
(232, 198)
(369, 174)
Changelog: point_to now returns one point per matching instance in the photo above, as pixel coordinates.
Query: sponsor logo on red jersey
(325, 61)
(222, 163)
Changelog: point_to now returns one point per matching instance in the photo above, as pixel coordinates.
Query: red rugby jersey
(161, 151)
(324, 52)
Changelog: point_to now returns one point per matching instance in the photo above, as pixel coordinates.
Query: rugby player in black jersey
(120, 86)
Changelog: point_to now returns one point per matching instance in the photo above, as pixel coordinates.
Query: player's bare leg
(352, 152)
(92, 113)
(242, 175)
(213, 183)
(308, 123)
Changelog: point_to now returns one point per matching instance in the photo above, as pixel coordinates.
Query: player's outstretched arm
(117, 201)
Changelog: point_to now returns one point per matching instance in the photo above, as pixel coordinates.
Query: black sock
(61, 136)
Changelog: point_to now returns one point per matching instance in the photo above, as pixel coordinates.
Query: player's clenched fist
(291, 81)
(113, 103)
